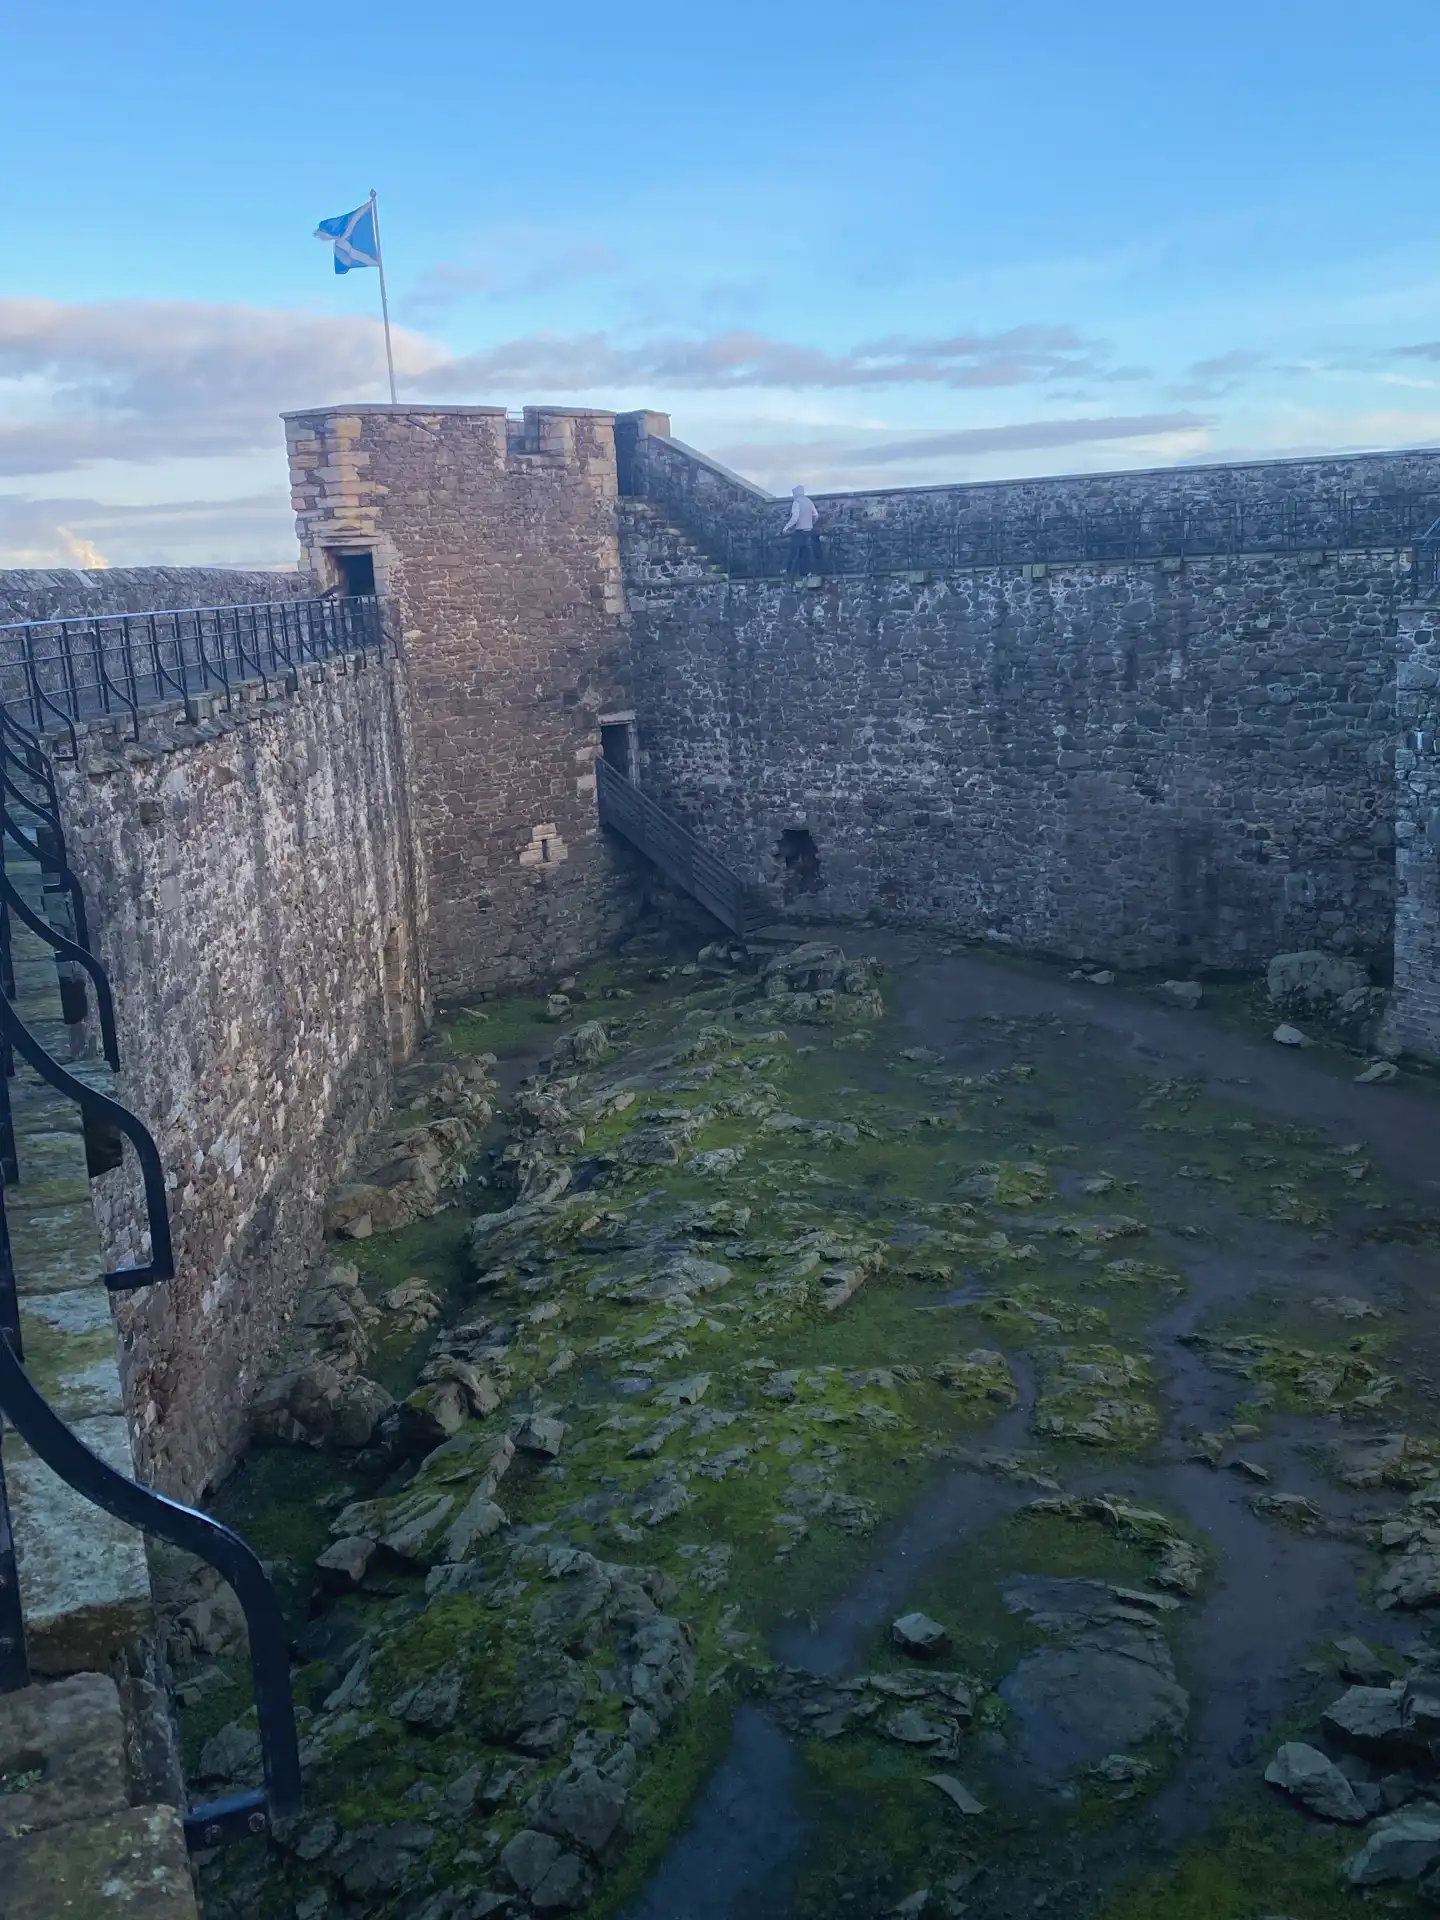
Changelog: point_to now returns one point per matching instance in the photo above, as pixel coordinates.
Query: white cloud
(142, 380)
(257, 531)
(833, 462)
(740, 359)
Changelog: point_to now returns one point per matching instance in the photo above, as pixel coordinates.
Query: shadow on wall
(799, 859)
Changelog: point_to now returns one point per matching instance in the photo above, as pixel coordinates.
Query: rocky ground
(876, 1432)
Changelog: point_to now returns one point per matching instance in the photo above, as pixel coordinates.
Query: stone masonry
(498, 546)
(1415, 1011)
(1147, 764)
(260, 911)
(76, 593)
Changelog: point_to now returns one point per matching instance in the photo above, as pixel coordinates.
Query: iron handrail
(61, 673)
(72, 953)
(47, 1435)
(99, 1107)
(238, 1816)
(673, 848)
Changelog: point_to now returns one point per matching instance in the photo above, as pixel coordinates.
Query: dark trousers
(804, 553)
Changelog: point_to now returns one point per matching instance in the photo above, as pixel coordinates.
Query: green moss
(508, 1024)
(1260, 1858)
(977, 1182)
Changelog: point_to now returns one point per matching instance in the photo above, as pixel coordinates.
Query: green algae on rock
(1305, 1377)
(1091, 1395)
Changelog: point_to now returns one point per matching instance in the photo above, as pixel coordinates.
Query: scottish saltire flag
(353, 235)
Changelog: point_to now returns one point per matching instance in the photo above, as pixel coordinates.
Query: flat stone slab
(127, 1866)
(69, 1340)
(84, 1580)
(1108, 1691)
(70, 1734)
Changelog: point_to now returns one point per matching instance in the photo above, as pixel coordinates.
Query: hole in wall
(800, 858)
(617, 745)
(354, 573)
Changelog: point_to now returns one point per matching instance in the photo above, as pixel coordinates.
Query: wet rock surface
(844, 1438)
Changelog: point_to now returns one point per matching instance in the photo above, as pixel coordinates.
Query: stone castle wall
(498, 547)
(259, 907)
(1146, 764)
(67, 593)
(1415, 1012)
(1354, 501)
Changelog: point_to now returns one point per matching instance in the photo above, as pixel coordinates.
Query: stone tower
(496, 545)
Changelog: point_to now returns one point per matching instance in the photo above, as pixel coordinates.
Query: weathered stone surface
(342, 1565)
(1370, 1719)
(521, 883)
(1289, 1036)
(1110, 1690)
(877, 799)
(1312, 981)
(84, 1580)
(1413, 1581)
(280, 862)
(956, 1792)
(1317, 1783)
(1359, 1662)
(918, 1634)
(125, 1866)
(1184, 994)
(541, 1434)
(1412, 1022)
(1404, 1846)
(70, 1733)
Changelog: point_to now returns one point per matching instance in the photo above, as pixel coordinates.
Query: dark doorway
(617, 744)
(627, 434)
(357, 574)
(800, 858)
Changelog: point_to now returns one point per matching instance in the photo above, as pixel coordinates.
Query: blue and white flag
(353, 235)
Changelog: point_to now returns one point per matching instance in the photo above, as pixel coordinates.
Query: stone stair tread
(84, 1580)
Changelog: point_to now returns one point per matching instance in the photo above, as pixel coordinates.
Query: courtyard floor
(1094, 1341)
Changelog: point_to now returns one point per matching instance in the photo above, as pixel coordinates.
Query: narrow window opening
(545, 852)
(355, 574)
(800, 857)
(1132, 670)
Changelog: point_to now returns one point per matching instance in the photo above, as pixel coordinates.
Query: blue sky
(854, 245)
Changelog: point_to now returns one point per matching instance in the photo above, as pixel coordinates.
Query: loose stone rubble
(722, 1306)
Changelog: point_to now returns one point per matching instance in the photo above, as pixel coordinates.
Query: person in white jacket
(804, 547)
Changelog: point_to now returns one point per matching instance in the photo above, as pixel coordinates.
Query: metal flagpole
(384, 303)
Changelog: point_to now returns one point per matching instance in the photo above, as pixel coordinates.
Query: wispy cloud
(911, 460)
(140, 380)
(504, 276)
(1426, 350)
(739, 358)
(1025, 435)
(1212, 379)
(257, 531)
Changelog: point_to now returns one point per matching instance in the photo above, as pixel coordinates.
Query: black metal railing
(1066, 536)
(55, 673)
(30, 819)
(673, 848)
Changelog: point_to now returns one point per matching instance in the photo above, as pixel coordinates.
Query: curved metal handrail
(50, 863)
(99, 1106)
(47, 1435)
(38, 1424)
(69, 951)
